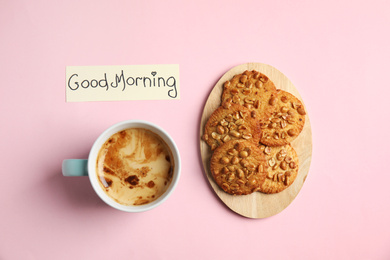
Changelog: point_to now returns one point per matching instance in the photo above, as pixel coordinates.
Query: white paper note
(128, 82)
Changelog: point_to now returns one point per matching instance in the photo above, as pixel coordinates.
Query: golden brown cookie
(282, 168)
(286, 123)
(231, 122)
(253, 90)
(238, 167)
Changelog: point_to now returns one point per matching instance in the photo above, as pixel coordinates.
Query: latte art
(135, 166)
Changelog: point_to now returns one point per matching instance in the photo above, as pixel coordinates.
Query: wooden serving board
(258, 205)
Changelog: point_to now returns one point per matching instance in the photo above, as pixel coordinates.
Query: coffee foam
(134, 166)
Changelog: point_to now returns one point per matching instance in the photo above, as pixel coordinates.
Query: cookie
(238, 167)
(231, 122)
(286, 123)
(282, 170)
(253, 90)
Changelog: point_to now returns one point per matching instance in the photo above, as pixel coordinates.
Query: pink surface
(335, 52)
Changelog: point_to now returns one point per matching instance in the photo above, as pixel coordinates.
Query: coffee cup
(133, 166)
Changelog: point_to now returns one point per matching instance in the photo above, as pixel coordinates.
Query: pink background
(335, 52)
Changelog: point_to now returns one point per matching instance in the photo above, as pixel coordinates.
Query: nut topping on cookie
(286, 123)
(238, 167)
(252, 90)
(283, 162)
(231, 122)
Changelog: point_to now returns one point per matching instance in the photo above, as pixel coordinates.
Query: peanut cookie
(286, 123)
(282, 168)
(230, 122)
(238, 167)
(253, 90)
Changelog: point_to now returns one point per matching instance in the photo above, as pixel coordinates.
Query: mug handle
(75, 167)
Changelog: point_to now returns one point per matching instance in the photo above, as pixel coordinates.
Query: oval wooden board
(258, 205)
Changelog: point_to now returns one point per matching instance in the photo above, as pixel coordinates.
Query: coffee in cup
(134, 166)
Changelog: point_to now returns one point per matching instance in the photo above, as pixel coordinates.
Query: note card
(129, 82)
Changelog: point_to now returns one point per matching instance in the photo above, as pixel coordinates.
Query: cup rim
(134, 123)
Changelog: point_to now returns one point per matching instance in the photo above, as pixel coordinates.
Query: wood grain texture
(258, 205)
